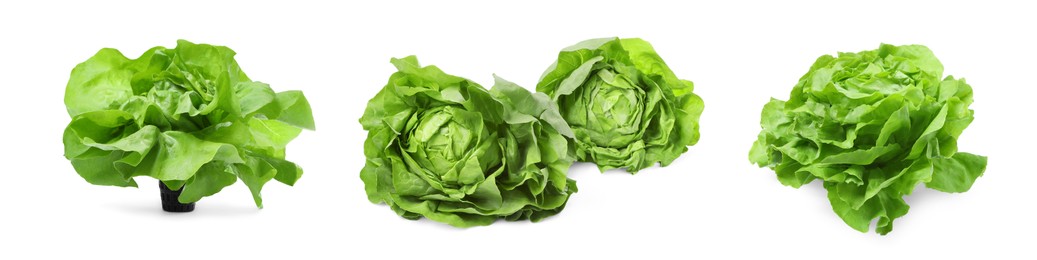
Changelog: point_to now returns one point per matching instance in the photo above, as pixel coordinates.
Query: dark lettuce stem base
(170, 203)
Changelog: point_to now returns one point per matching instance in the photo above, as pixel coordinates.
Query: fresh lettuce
(187, 116)
(444, 148)
(625, 106)
(872, 125)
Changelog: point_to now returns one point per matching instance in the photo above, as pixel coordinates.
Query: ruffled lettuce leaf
(187, 116)
(872, 126)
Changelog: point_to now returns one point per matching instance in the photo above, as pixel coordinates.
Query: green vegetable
(187, 116)
(445, 148)
(872, 125)
(626, 108)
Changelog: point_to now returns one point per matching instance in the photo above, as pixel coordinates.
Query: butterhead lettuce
(187, 116)
(444, 148)
(625, 106)
(871, 125)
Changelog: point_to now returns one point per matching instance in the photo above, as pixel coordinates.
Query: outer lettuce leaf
(187, 116)
(444, 148)
(872, 125)
(626, 108)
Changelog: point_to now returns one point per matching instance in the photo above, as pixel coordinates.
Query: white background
(710, 203)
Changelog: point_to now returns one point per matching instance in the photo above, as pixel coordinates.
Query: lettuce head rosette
(871, 125)
(187, 116)
(625, 106)
(444, 148)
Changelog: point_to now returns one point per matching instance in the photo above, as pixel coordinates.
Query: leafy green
(872, 125)
(626, 108)
(187, 116)
(445, 148)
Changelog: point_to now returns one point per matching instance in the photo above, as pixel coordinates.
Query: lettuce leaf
(187, 116)
(626, 108)
(444, 148)
(871, 125)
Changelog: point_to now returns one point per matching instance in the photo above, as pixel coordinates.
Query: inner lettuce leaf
(871, 125)
(444, 148)
(187, 116)
(625, 106)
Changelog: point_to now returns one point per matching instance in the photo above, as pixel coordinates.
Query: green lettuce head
(187, 116)
(871, 125)
(625, 106)
(445, 148)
